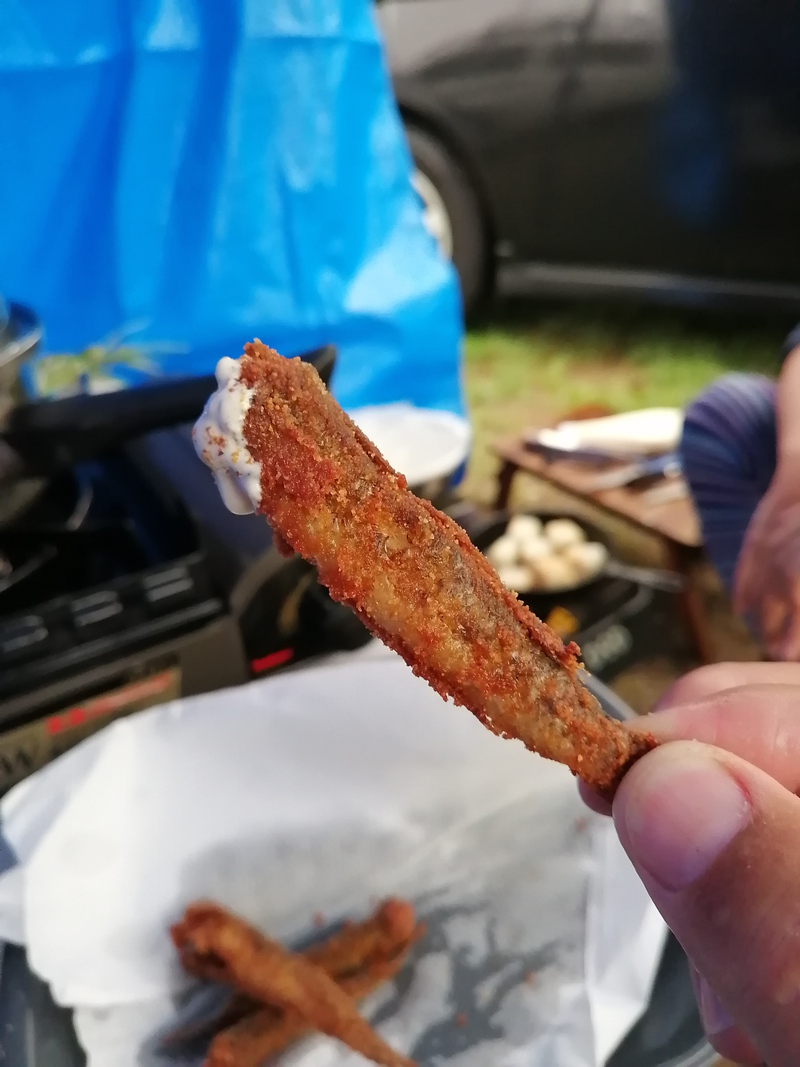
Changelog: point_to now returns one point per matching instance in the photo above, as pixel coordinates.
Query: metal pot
(20, 335)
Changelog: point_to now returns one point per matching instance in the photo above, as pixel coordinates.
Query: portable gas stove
(106, 607)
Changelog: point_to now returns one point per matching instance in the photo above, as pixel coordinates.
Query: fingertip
(708, 681)
(736, 1046)
(675, 811)
(710, 835)
(688, 689)
(727, 1038)
(592, 799)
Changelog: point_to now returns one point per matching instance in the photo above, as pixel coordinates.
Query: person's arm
(767, 581)
(788, 402)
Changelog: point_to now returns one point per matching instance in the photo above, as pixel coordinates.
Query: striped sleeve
(791, 342)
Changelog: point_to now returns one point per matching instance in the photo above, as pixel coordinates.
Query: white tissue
(319, 791)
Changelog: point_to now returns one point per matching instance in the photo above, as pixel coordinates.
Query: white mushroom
(556, 572)
(561, 533)
(534, 549)
(520, 579)
(502, 552)
(588, 558)
(523, 527)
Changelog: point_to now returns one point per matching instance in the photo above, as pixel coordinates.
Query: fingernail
(715, 1018)
(676, 811)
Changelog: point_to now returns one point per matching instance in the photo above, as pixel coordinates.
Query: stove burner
(99, 568)
(17, 574)
(84, 528)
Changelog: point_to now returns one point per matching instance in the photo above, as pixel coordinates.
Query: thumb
(717, 844)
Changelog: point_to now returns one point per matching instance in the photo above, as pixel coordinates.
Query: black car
(590, 146)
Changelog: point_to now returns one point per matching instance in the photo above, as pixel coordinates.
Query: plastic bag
(214, 170)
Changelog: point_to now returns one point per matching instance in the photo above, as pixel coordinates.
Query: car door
(484, 75)
(676, 145)
(600, 164)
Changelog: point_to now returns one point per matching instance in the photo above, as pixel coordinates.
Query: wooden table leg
(504, 480)
(682, 560)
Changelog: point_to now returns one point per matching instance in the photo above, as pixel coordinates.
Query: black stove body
(107, 606)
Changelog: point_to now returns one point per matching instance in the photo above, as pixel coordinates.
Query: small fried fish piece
(257, 1036)
(265, 971)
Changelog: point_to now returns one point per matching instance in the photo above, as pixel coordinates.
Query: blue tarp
(218, 170)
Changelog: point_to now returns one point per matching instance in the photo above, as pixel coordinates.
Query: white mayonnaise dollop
(219, 440)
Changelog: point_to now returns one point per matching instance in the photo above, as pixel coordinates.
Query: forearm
(788, 407)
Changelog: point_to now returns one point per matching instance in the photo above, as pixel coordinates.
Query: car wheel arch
(423, 121)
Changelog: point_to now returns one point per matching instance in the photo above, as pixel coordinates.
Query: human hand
(767, 581)
(714, 833)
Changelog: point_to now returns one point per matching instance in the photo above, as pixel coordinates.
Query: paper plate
(420, 443)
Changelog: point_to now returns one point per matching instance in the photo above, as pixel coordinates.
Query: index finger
(718, 677)
(759, 722)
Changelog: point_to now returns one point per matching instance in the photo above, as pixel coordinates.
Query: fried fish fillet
(410, 573)
(354, 947)
(264, 970)
(266, 1032)
(359, 957)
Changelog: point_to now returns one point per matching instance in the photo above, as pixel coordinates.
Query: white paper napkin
(320, 791)
(652, 430)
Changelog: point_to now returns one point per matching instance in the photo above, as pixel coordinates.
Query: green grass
(530, 364)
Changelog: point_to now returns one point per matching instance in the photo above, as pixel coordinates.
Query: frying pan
(495, 526)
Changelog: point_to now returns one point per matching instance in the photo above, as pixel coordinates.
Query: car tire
(453, 212)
